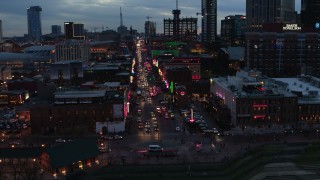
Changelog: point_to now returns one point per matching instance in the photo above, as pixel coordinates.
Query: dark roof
(23, 152)
(71, 152)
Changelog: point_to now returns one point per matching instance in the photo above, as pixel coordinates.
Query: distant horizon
(97, 13)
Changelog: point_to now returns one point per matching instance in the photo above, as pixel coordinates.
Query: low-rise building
(79, 112)
(255, 100)
(70, 157)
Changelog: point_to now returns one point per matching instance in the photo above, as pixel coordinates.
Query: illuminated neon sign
(291, 27)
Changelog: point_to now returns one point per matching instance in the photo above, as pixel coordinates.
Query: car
(140, 125)
(117, 137)
(148, 130)
(60, 140)
(166, 116)
(108, 137)
(172, 115)
(215, 131)
(288, 131)
(178, 129)
(139, 119)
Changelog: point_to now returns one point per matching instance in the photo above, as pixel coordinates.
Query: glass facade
(209, 20)
(269, 11)
(34, 23)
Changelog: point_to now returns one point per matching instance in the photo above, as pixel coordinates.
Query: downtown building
(283, 50)
(184, 29)
(1, 33)
(74, 31)
(150, 30)
(34, 23)
(79, 111)
(209, 21)
(256, 100)
(310, 14)
(253, 100)
(72, 50)
(56, 30)
(269, 11)
(233, 29)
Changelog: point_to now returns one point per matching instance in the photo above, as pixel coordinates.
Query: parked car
(60, 140)
(117, 137)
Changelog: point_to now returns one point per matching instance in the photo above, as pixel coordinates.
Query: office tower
(56, 29)
(260, 12)
(34, 23)
(1, 36)
(184, 29)
(150, 30)
(74, 31)
(310, 14)
(209, 20)
(233, 29)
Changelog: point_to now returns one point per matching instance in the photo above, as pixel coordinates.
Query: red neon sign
(259, 117)
(195, 77)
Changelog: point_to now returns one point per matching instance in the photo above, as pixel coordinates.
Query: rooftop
(80, 94)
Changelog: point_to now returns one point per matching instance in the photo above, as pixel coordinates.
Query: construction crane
(148, 17)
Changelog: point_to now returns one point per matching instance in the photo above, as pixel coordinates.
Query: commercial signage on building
(291, 27)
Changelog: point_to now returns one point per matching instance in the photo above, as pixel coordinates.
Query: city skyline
(98, 13)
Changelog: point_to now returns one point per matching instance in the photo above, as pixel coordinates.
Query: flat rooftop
(80, 94)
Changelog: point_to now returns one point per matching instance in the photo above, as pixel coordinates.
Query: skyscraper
(34, 23)
(209, 20)
(150, 30)
(1, 36)
(233, 29)
(55, 29)
(74, 30)
(310, 13)
(269, 11)
(183, 29)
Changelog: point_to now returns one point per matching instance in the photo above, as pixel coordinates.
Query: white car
(117, 137)
(60, 140)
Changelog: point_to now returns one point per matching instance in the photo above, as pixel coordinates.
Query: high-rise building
(260, 12)
(180, 28)
(150, 30)
(34, 23)
(209, 20)
(74, 30)
(56, 29)
(281, 51)
(310, 14)
(233, 29)
(1, 36)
